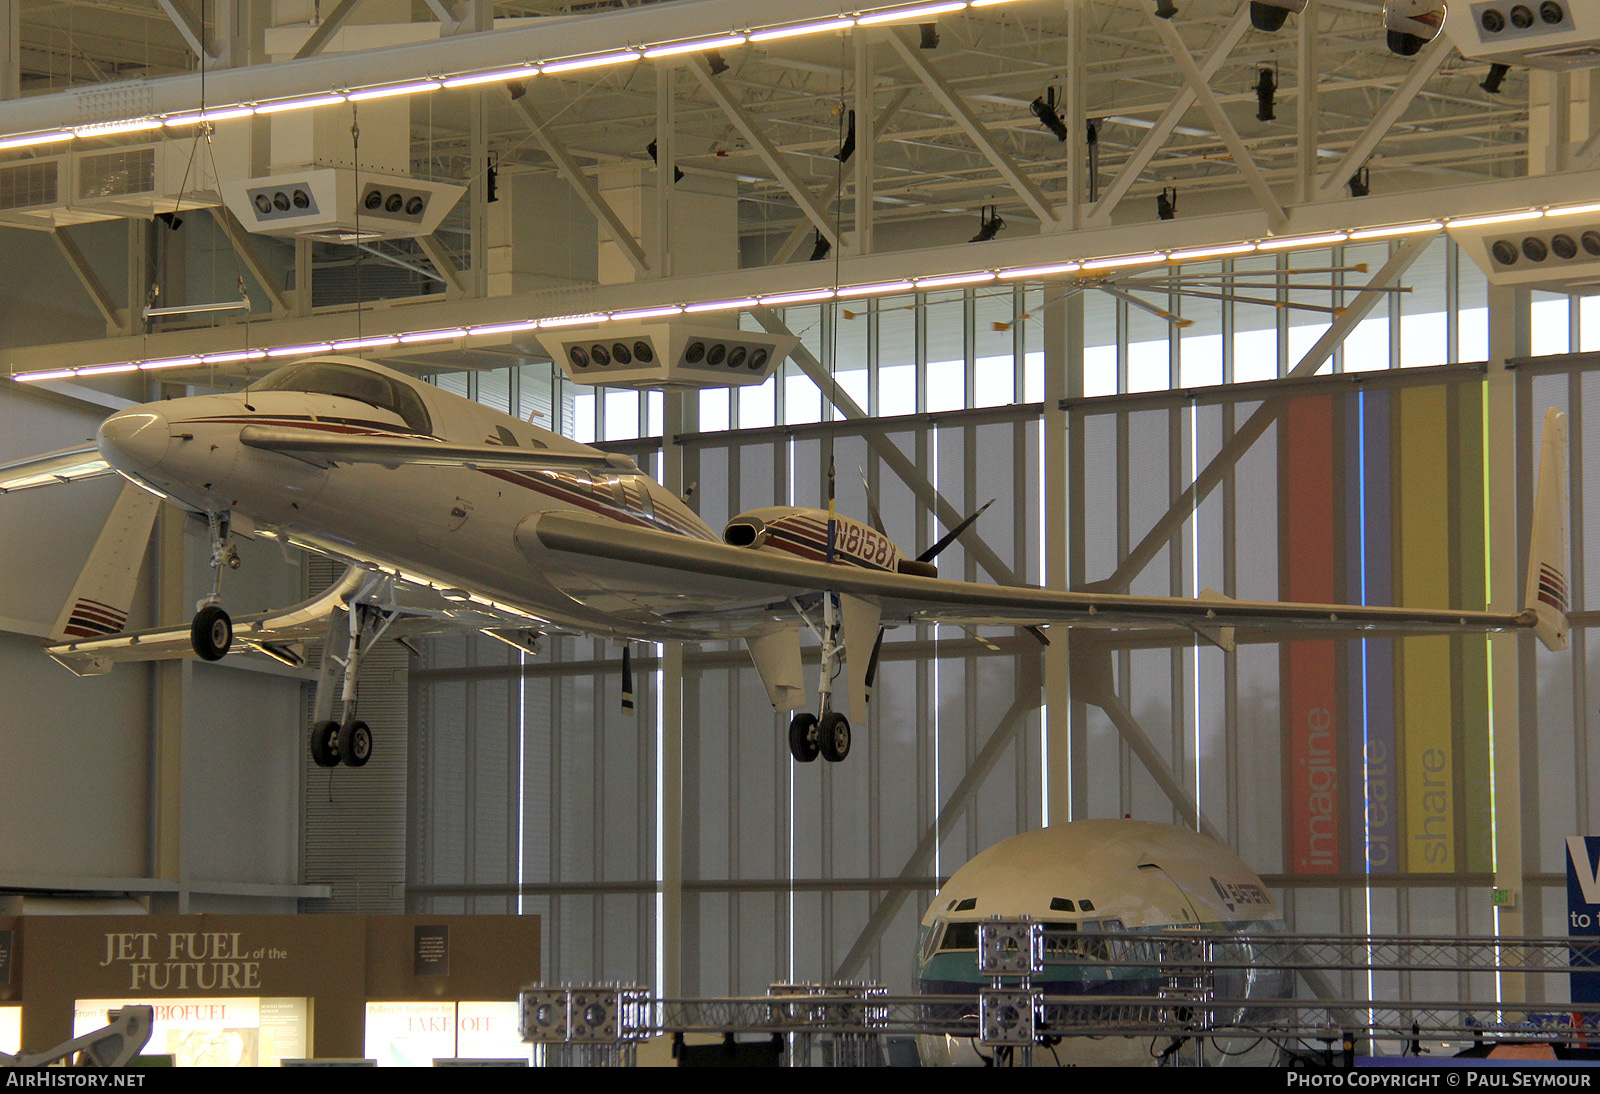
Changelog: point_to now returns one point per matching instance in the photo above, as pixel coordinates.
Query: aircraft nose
(135, 440)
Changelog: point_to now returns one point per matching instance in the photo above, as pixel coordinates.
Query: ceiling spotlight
(1165, 9)
(820, 251)
(1266, 90)
(1044, 108)
(1167, 203)
(1269, 15)
(930, 35)
(653, 149)
(989, 225)
(848, 148)
(715, 60)
(1360, 183)
(1497, 74)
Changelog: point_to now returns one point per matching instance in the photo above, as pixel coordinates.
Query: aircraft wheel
(834, 731)
(803, 737)
(355, 744)
(325, 744)
(211, 633)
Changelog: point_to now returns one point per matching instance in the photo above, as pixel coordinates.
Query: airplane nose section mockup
(135, 440)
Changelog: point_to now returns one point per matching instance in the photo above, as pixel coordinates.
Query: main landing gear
(211, 631)
(348, 740)
(828, 736)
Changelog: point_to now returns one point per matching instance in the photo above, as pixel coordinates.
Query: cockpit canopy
(348, 381)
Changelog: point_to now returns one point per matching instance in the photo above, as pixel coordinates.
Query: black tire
(803, 737)
(355, 744)
(325, 744)
(833, 734)
(211, 633)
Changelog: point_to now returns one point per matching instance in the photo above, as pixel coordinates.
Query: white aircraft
(450, 514)
(1106, 878)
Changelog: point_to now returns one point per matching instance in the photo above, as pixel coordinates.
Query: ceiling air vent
(668, 354)
(1550, 34)
(125, 172)
(29, 185)
(1518, 253)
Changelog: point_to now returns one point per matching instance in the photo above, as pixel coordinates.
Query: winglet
(1549, 551)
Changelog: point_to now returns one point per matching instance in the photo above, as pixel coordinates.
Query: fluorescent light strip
(298, 104)
(698, 46)
(1123, 260)
(1494, 218)
(521, 72)
(1396, 230)
(647, 313)
(804, 296)
(1301, 241)
(395, 89)
(721, 305)
(225, 114)
(953, 279)
(1210, 252)
(736, 37)
(776, 33)
(1039, 271)
(31, 139)
(504, 328)
(597, 60)
(820, 294)
(367, 343)
(432, 335)
(876, 289)
(916, 11)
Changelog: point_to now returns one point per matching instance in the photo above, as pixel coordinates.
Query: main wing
(754, 575)
(67, 465)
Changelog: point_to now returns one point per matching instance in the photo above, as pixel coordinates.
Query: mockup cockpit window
(349, 382)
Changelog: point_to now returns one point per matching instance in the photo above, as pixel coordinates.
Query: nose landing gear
(211, 631)
(828, 736)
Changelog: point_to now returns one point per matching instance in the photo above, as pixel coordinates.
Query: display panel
(221, 1032)
(417, 1034)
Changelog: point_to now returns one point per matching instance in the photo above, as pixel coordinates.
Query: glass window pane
(714, 410)
(583, 411)
(758, 405)
(622, 414)
(1550, 323)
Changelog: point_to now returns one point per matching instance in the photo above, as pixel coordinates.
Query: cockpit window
(349, 382)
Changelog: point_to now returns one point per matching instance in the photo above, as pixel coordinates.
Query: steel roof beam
(1179, 52)
(331, 24)
(1423, 67)
(815, 210)
(1031, 195)
(1156, 138)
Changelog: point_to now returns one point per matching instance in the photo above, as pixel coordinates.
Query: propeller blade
(872, 506)
(950, 537)
(872, 662)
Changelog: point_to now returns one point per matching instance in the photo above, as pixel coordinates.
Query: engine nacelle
(804, 534)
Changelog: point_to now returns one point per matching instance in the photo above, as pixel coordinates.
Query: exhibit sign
(415, 1034)
(226, 1031)
(1583, 914)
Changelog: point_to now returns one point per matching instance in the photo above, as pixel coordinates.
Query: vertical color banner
(1373, 762)
(1310, 709)
(1427, 747)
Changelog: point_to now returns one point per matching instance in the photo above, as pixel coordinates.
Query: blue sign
(1583, 914)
